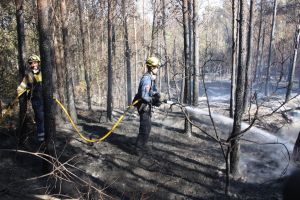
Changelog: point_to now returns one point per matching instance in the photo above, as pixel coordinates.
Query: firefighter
(31, 85)
(149, 96)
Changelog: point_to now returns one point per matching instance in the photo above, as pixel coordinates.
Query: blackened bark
(127, 54)
(238, 113)
(196, 54)
(45, 51)
(22, 66)
(69, 77)
(151, 50)
(187, 59)
(85, 47)
(109, 67)
(258, 54)
(233, 58)
(248, 77)
(167, 64)
(293, 67)
(270, 49)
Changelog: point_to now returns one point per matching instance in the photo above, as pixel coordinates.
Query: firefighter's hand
(156, 97)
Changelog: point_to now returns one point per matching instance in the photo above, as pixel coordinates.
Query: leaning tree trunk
(67, 61)
(238, 113)
(233, 58)
(267, 92)
(294, 61)
(248, 77)
(86, 56)
(45, 51)
(22, 66)
(109, 66)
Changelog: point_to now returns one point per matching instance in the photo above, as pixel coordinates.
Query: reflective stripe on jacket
(31, 83)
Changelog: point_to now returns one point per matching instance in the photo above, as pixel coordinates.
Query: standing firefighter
(148, 95)
(31, 85)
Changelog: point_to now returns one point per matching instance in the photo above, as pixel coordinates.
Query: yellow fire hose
(10, 107)
(72, 122)
(107, 134)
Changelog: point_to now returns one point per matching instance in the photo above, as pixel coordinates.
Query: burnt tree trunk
(196, 54)
(127, 53)
(187, 85)
(293, 67)
(22, 66)
(45, 51)
(233, 59)
(167, 64)
(267, 87)
(248, 77)
(109, 66)
(67, 61)
(85, 55)
(238, 112)
(258, 49)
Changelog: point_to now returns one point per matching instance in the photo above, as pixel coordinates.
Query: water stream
(258, 162)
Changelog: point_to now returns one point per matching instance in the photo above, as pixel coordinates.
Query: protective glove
(156, 99)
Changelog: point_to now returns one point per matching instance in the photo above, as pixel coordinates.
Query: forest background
(95, 51)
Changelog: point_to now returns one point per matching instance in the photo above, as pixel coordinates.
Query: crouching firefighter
(31, 86)
(149, 96)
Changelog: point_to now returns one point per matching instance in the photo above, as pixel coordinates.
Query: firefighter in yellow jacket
(31, 85)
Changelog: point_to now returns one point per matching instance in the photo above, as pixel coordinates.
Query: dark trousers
(144, 130)
(38, 108)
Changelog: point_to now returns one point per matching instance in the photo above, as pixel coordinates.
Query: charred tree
(233, 58)
(22, 66)
(187, 59)
(267, 87)
(109, 66)
(67, 61)
(259, 46)
(248, 77)
(293, 67)
(127, 53)
(154, 21)
(167, 64)
(196, 54)
(45, 51)
(241, 71)
(85, 55)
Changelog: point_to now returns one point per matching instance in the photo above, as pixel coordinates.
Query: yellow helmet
(152, 62)
(33, 58)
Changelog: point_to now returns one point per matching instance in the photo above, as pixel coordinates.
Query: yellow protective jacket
(32, 84)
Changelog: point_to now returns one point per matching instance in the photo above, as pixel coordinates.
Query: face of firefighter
(35, 67)
(154, 70)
